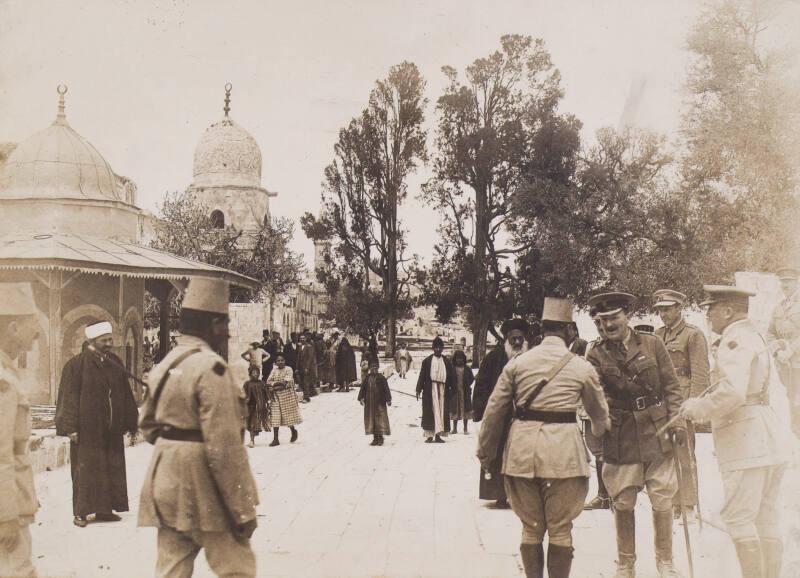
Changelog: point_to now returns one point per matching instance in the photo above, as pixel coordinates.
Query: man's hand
(604, 427)
(245, 531)
(361, 402)
(679, 435)
(9, 535)
(389, 403)
(691, 410)
(784, 355)
(73, 437)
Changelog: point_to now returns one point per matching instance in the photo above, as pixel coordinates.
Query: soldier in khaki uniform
(784, 339)
(199, 491)
(689, 353)
(18, 331)
(643, 394)
(545, 463)
(746, 440)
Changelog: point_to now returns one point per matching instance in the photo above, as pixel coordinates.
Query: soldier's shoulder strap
(175, 363)
(560, 364)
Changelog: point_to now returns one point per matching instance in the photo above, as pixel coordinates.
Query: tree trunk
(481, 310)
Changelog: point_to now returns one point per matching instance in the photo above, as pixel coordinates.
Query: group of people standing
(644, 396)
(307, 361)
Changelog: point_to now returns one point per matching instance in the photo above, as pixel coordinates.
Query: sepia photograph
(400, 289)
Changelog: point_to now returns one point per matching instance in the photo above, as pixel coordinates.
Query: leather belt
(546, 416)
(635, 404)
(181, 435)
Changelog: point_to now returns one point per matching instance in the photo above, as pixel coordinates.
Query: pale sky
(146, 77)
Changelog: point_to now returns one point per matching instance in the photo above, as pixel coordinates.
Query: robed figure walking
(95, 408)
(375, 395)
(436, 385)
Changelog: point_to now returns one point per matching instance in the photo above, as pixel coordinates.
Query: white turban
(98, 329)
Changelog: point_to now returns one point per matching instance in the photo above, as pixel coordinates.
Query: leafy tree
(186, 229)
(602, 228)
(495, 128)
(740, 130)
(363, 188)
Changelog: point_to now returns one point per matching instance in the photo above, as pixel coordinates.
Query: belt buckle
(641, 403)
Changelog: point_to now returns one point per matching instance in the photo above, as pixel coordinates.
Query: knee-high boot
(532, 560)
(559, 561)
(749, 554)
(626, 543)
(662, 524)
(772, 556)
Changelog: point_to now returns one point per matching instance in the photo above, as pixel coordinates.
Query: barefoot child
(256, 400)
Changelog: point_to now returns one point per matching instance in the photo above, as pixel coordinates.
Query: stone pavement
(333, 506)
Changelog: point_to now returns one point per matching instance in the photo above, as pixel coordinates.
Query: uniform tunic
(687, 348)
(205, 486)
(784, 330)
(18, 496)
(634, 455)
(747, 442)
(537, 451)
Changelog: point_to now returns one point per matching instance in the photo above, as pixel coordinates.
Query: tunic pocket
(659, 418)
(739, 439)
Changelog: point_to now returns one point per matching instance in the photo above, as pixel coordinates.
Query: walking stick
(695, 475)
(679, 473)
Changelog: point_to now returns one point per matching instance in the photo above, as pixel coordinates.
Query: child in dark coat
(375, 395)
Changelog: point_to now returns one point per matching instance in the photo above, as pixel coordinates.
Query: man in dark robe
(436, 384)
(346, 371)
(291, 350)
(95, 408)
(515, 341)
(307, 367)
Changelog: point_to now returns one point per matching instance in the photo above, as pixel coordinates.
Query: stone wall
(247, 321)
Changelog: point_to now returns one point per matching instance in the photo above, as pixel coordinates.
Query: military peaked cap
(725, 294)
(606, 304)
(668, 297)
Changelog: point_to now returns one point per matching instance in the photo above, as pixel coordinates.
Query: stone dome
(227, 155)
(58, 163)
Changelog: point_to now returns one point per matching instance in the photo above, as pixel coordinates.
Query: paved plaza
(333, 506)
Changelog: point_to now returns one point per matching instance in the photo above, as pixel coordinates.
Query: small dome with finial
(58, 163)
(227, 155)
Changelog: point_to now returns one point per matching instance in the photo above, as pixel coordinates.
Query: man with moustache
(784, 339)
(687, 348)
(643, 394)
(19, 329)
(515, 341)
(95, 408)
(747, 443)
